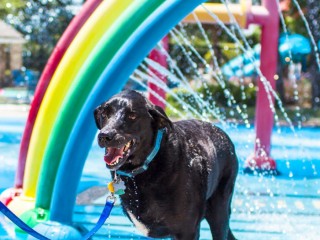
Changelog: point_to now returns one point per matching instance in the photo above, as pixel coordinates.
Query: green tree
(42, 22)
(295, 24)
(7, 7)
(313, 18)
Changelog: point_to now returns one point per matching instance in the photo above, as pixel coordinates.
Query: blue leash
(17, 221)
(103, 217)
(20, 223)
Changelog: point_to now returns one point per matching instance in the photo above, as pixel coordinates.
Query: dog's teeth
(127, 146)
(116, 162)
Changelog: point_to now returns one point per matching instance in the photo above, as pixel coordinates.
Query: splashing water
(315, 47)
(273, 195)
(204, 104)
(295, 85)
(183, 80)
(219, 75)
(228, 95)
(270, 91)
(255, 195)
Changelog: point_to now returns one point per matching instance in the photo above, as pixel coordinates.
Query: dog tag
(111, 187)
(119, 187)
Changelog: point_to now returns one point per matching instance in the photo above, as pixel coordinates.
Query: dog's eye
(132, 116)
(104, 115)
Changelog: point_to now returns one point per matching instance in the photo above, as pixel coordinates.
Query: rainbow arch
(52, 64)
(97, 63)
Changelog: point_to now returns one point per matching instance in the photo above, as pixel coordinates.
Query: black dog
(176, 174)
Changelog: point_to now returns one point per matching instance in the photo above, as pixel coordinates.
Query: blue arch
(111, 81)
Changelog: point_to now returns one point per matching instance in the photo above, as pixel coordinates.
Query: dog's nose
(106, 137)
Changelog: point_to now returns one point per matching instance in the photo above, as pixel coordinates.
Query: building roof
(8, 35)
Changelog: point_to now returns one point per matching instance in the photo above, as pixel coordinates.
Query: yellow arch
(75, 56)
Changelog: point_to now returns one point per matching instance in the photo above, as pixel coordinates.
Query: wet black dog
(175, 173)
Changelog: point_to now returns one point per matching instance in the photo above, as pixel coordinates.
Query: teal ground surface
(256, 213)
(284, 207)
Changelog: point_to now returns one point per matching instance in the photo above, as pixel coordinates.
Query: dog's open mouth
(116, 157)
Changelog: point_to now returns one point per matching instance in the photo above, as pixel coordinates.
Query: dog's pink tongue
(112, 155)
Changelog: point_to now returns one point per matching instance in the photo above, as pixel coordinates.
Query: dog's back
(208, 151)
(193, 172)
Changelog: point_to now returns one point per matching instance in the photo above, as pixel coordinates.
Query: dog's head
(128, 125)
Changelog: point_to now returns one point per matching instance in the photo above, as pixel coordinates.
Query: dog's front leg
(188, 235)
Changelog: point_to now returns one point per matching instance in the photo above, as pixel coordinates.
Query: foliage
(215, 95)
(295, 24)
(224, 47)
(7, 7)
(294, 21)
(42, 23)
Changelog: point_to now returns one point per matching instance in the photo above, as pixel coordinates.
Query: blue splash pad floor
(263, 208)
(283, 207)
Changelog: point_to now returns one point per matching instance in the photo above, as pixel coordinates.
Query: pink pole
(160, 58)
(261, 160)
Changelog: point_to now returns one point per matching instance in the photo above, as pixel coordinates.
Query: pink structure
(160, 58)
(267, 16)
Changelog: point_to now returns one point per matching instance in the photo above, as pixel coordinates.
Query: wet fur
(169, 199)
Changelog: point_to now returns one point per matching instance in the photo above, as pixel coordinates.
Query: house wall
(13, 59)
(16, 56)
(2, 64)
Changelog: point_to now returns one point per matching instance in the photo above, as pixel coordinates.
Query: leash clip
(111, 198)
(115, 187)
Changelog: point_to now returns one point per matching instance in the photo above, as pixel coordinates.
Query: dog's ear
(160, 117)
(98, 117)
